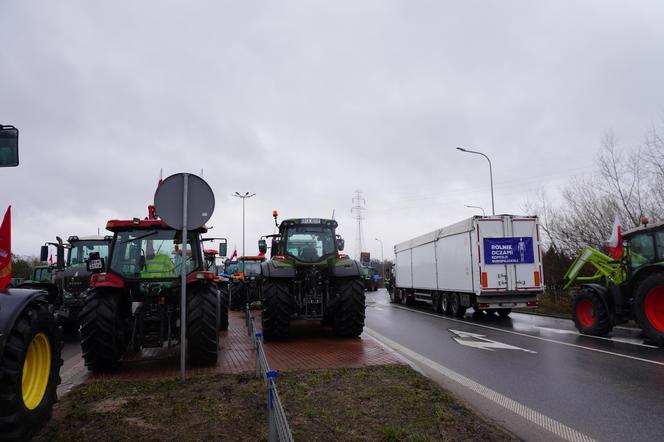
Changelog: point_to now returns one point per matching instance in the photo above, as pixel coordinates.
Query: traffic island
(387, 402)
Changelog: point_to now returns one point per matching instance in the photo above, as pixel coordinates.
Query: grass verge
(378, 403)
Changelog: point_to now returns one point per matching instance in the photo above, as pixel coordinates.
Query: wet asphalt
(608, 389)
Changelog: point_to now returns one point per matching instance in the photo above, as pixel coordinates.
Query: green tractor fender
(345, 268)
(12, 304)
(271, 270)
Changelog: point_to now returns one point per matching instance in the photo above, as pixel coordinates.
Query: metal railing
(277, 423)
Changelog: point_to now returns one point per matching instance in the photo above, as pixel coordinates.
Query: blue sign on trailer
(517, 250)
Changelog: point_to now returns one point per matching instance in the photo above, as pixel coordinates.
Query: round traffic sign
(169, 201)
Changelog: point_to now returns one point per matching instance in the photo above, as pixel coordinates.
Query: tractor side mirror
(340, 243)
(8, 146)
(222, 249)
(43, 255)
(262, 246)
(95, 264)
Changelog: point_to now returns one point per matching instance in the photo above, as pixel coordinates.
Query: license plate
(95, 264)
(507, 304)
(310, 221)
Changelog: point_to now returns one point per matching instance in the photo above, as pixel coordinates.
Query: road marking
(614, 339)
(650, 361)
(480, 341)
(559, 429)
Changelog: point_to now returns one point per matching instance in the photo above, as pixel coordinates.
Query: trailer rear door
(492, 268)
(527, 274)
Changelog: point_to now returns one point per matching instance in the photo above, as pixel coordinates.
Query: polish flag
(6, 249)
(615, 242)
(234, 254)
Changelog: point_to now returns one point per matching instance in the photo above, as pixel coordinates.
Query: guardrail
(277, 423)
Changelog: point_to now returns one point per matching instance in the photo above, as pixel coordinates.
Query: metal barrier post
(252, 326)
(271, 417)
(259, 349)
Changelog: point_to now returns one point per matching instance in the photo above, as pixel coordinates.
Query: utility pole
(244, 197)
(359, 205)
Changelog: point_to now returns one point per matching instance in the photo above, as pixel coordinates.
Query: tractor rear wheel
(649, 307)
(238, 296)
(222, 308)
(202, 337)
(103, 337)
(590, 314)
(457, 310)
(275, 318)
(349, 314)
(30, 373)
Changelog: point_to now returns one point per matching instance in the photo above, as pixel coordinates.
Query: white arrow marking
(480, 341)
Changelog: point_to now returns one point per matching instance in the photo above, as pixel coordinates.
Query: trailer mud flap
(464, 300)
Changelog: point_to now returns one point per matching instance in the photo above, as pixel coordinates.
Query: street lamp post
(475, 207)
(244, 197)
(382, 259)
(493, 208)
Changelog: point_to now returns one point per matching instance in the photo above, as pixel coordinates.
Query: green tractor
(617, 291)
(308, 278)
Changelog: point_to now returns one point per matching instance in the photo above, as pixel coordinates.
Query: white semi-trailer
(490, 263)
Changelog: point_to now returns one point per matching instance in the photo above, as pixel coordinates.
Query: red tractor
(135, 302)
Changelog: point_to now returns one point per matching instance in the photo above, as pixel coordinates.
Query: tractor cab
(151, 250)
(645, 245)
(306, 240)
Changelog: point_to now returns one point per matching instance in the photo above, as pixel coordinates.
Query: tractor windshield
(310, 243)
(251, 268)
(146, 254)
(80, 251)
(642, 250)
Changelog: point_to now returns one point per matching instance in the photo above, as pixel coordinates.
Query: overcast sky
(303, 102)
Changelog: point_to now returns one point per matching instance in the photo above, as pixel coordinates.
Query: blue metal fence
(277, 423)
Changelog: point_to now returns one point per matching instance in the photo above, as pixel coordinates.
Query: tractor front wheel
(103, 337)
(590, 314)
(349, 314)
(649, 307)
(202, 337)
(30, 373)
(275, 318)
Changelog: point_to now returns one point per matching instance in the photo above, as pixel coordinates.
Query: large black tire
(649, 307)
(22, 414)
(457, 310)
(349, 313)
(446, 304)
(504, 312)
(222, 308)
(436, 303)
(590, 314)
(275, 318)
(202, 336)
(237, 294)
(103, 332)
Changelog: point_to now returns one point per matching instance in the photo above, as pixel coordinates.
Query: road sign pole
(183, 269)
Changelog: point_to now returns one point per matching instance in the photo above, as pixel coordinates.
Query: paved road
(534, 374)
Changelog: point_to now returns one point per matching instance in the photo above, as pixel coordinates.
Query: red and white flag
(6, 249)
(234, 254)
(615, 243)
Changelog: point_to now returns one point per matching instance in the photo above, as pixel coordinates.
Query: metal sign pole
(183, 283)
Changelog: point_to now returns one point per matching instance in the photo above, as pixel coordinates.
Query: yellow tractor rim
(36, 371)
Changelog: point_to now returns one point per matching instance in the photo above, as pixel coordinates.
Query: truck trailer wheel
(649, 307)
(349, 313)
(445, 304)
(222, 308)
(275, 318)
(103, 337)
(202, 337)
(457, 310)
(589, 313)
(436, 303)
(30, 373)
